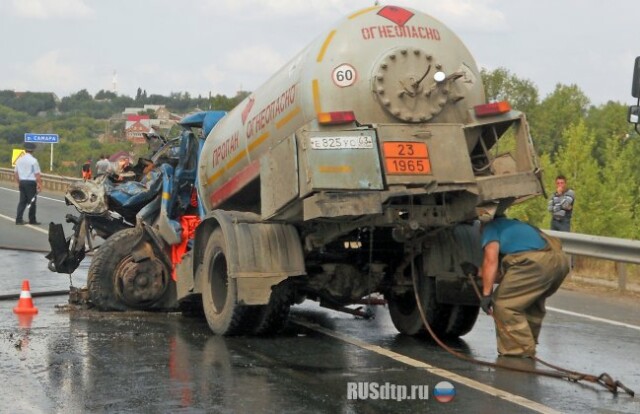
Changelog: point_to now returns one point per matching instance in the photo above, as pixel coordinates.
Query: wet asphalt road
(84, 361)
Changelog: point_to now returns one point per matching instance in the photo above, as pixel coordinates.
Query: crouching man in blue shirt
(529, 266)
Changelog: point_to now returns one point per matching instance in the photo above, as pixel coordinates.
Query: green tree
(102, 95)
(502, 85)
(567, 105)
(619, 188)
(607, 121)
(9, 116)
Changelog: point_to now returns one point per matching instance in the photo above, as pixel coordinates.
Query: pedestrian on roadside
(103, 166)
(529, 266)
(561, 205)
(86, 170)
(27, 175)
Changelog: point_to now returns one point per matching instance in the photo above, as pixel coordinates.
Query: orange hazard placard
(406, 158)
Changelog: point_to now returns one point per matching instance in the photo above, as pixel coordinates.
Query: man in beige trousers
(529, 267)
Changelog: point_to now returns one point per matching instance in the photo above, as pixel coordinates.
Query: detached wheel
(219, 291)
(118, 281)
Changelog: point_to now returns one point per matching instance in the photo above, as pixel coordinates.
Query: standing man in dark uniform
(27, 175)
(561, 205)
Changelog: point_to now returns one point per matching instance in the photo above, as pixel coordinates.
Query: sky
(222, 46)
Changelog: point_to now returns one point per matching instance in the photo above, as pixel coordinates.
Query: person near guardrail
(561, 205)
(528, 266)
(27, 175)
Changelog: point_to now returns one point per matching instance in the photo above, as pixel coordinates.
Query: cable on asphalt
(603, 379)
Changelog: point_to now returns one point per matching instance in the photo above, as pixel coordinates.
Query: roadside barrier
(49, 181)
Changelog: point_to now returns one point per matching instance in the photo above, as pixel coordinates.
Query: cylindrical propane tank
(385, 64)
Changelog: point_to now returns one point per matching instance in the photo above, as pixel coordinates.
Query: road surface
(74, 360)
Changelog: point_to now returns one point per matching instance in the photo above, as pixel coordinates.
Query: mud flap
(455, 289)
(61, 260)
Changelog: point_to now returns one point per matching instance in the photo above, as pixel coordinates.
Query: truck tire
(446, 321)
(405, 314)
(117, 282)
(469, 248)
(219, 291)
(270, 319)
(461, 320)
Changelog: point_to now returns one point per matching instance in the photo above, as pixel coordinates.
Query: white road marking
(594, 318)
(487, 389)
(39, 196)
(12, 219)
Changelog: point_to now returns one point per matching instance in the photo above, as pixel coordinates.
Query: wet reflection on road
(77, 360)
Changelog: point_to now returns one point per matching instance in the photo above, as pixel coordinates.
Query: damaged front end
(91, 199)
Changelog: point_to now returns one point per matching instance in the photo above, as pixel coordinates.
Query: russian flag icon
(444, 392)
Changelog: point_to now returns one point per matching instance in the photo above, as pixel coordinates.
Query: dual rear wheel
(446, 253)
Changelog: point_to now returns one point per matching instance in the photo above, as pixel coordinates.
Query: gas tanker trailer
(356, 169)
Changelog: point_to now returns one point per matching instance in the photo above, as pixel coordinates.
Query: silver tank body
(386, 64)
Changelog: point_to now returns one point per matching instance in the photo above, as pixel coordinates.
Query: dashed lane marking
(487, 389)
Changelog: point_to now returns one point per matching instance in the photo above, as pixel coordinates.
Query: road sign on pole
(43, 139)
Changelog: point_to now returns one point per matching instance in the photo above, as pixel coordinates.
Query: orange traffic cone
(25, 303)
(25, 320)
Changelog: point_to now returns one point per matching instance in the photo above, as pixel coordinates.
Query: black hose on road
(14, 296)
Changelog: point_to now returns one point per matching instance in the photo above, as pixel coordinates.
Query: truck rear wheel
(271, 318)
(405, 314)
(446, 320)
(468, 246)
(118, 282)
(219, 291)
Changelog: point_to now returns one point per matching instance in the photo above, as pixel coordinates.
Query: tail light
(333, 118)
(493, 108)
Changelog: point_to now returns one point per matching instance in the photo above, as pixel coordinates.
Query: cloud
(214, 76)
(49, 9)
(252, 9)
(49, 71)
(470, 15)
(254, 60)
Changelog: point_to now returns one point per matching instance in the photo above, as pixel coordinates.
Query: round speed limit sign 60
(344, 75)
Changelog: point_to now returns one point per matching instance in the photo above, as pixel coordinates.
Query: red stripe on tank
(235, 184)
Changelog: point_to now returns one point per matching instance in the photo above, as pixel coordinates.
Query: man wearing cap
(27, 175)
(529, 267)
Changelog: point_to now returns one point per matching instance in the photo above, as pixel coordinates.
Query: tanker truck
(357, 168)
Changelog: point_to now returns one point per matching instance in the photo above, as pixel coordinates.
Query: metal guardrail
(49, 181)
(610, 248)
(621, 251)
